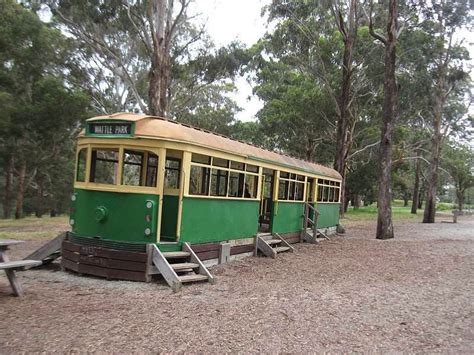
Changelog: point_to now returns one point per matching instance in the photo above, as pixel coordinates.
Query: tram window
(267, 191)
(299, 193)
(326, 193)
(219, 182)
(251, 182)
(292, 191)
(237, 166)
(320, 193)
(223, 163)
(104, 166)
(236, 184)
(199, 181)
(151, 170)
(202, 159)
(252, 168)
(172, 172)
(284, 175)
(300, 177)
(283, 189)
(331, 195)
(132, 168)
(81, 165)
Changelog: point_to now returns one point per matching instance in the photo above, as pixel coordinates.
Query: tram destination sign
(110, 129)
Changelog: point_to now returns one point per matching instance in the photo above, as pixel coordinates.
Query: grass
(32, 227)
(370, 212)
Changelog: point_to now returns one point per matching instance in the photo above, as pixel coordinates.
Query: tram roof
(157, 127)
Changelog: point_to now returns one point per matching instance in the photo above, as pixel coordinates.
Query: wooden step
(281, 249)
(192, 278)
(176, 254)
(273, 241)
(184, 266)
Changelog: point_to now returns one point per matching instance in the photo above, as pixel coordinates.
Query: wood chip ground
(354, 293)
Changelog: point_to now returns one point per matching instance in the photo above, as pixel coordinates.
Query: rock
(340, 229)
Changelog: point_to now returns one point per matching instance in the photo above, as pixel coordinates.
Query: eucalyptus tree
(441, 21)
(140, 50)
(389, 41)
(458, 160)
(39, 112)
(321, 38)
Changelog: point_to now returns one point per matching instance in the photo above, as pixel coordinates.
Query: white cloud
(230, 20)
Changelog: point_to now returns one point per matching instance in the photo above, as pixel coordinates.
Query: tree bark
(8, 193)
(159, 84)
(39, 205)
(21, 190)
(431, 189)
(460, 198)
(416, 187)
(384, 220)
(343, 136)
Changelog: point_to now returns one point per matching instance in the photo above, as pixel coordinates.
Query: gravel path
(353, 293)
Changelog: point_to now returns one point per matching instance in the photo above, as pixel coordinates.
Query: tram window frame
(138, 180)
(328, 191)
(81, 167)
(293, 185)
(151, 170)
(232, 173)
(202, 187)
(115, 168)
(169, 171)
(221, 179)
(148, 172)
(236, 190)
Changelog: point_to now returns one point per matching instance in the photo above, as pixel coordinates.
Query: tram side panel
(328, 214)
(214, 220)
(287, 217)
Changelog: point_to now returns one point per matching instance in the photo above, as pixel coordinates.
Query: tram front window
(132, 168)
(104, 166)
(134, 172)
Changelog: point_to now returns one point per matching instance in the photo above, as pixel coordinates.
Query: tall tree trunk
(39, 205)
(431, 189)
(406, 197)
(460, 198)
(384, 220)
(8, 193)
(420, 199)
(343, 136)
(21, 190)
(416, 186)
(159, 85)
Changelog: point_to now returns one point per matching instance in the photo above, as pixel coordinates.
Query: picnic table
(11, 266)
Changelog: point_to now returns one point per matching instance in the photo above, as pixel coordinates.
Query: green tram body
(123, 196)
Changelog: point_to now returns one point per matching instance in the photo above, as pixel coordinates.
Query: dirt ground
(353, 293)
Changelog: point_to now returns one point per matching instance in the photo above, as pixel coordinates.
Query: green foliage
(40, 114)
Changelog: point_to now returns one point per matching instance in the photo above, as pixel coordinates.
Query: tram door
(169, 212)
(266, 201)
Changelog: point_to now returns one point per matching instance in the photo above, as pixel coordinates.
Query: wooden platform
(108, 263)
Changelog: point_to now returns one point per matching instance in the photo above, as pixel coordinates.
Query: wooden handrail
(313, 208)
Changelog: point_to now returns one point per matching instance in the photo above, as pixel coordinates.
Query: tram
(144, 180)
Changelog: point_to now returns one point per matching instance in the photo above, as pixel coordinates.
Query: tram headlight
(73, 197)
(147, 232)
(71, 221)
(149, 204)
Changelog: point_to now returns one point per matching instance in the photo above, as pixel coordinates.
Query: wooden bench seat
(19, 264)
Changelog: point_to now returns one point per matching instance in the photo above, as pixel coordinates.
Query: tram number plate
(110, 128)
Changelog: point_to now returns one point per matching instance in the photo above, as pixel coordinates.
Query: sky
(229, 20)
